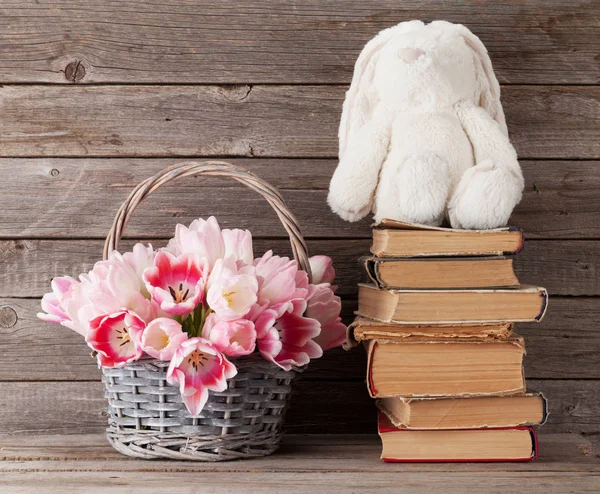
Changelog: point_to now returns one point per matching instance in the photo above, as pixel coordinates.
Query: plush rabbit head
(416, 66)
(422, 135)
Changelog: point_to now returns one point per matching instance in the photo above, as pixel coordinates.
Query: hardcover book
(367, 329)
(411, 306)
(458, 445)
(465, 413)
(397, 238)
(420, 367)
(442, 272)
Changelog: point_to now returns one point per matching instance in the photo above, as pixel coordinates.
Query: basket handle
(213, 169)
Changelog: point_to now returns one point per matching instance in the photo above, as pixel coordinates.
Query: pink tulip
(54, 303)
(238, 245)
(123, 286)
(198, 367)
(116, 338)
(141, 257)
(162, 337)
(79, 309)
(202, 238)
(231, 291)
(277, 280)
(322, 269)
(176, 283)
(324, 306)
(289, 341)
(114, 285)
(110, 287)
(233, 338)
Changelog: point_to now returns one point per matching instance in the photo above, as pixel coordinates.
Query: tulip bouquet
(197, 302)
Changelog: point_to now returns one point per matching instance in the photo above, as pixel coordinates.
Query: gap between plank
(251, 83)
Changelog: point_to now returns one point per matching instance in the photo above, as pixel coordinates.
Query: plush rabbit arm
(353, 184)
(487, 192)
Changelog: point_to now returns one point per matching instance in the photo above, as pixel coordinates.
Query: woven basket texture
(147, 418)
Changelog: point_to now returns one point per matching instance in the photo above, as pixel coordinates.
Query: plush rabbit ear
(489, 89)
(361, 99)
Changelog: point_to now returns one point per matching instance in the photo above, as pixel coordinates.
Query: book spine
(370, 384)
(544, 295)
(534, 443)
(545, 412)
(371, 267)
(521, 243)
(351, 341)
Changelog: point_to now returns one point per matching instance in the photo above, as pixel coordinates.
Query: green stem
(201, 319)
(198, 317)
(188, 325)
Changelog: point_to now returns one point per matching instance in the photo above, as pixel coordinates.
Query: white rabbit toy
(422, 135)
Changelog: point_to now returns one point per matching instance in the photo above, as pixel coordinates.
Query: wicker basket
(147, 418)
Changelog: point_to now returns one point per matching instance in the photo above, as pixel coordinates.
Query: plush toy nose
(410, 54)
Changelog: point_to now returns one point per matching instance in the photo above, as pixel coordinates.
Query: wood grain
(563, 267)
(330, 407)
(58, 482)
(260, 121)
(303, 453)
(564, 346)
(299, 453)
(340, 463)
(560, 200)
(264, 82)
(549, 42)
(81, 196)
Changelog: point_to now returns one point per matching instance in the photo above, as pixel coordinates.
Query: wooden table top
(304, 464)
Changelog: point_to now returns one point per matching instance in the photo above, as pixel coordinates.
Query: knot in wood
(75, 71)
(8, 317)
(237, 92)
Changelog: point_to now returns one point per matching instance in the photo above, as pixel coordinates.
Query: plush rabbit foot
(350, 203)
(485, 197)
(348, 214)
(419, 188)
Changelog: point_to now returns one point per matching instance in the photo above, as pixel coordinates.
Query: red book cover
(385, 426)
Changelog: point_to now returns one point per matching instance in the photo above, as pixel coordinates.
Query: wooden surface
(29, 265)
(560, 201)
(556, 348)
(306, 464)
(70, 407)
(97, 95)
(253, 121)
(89, 41)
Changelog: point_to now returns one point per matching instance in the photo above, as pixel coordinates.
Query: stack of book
(443, 360)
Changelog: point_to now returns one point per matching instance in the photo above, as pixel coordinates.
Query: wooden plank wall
(96, 95)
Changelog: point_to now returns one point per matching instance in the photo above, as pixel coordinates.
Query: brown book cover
(411, 306)
(402, 239)
(472, 272)
(465, 413)
(420, 367)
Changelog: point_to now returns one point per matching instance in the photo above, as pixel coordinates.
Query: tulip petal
(176, 283)
(197, 366)
(322, 269)
(195, 402)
